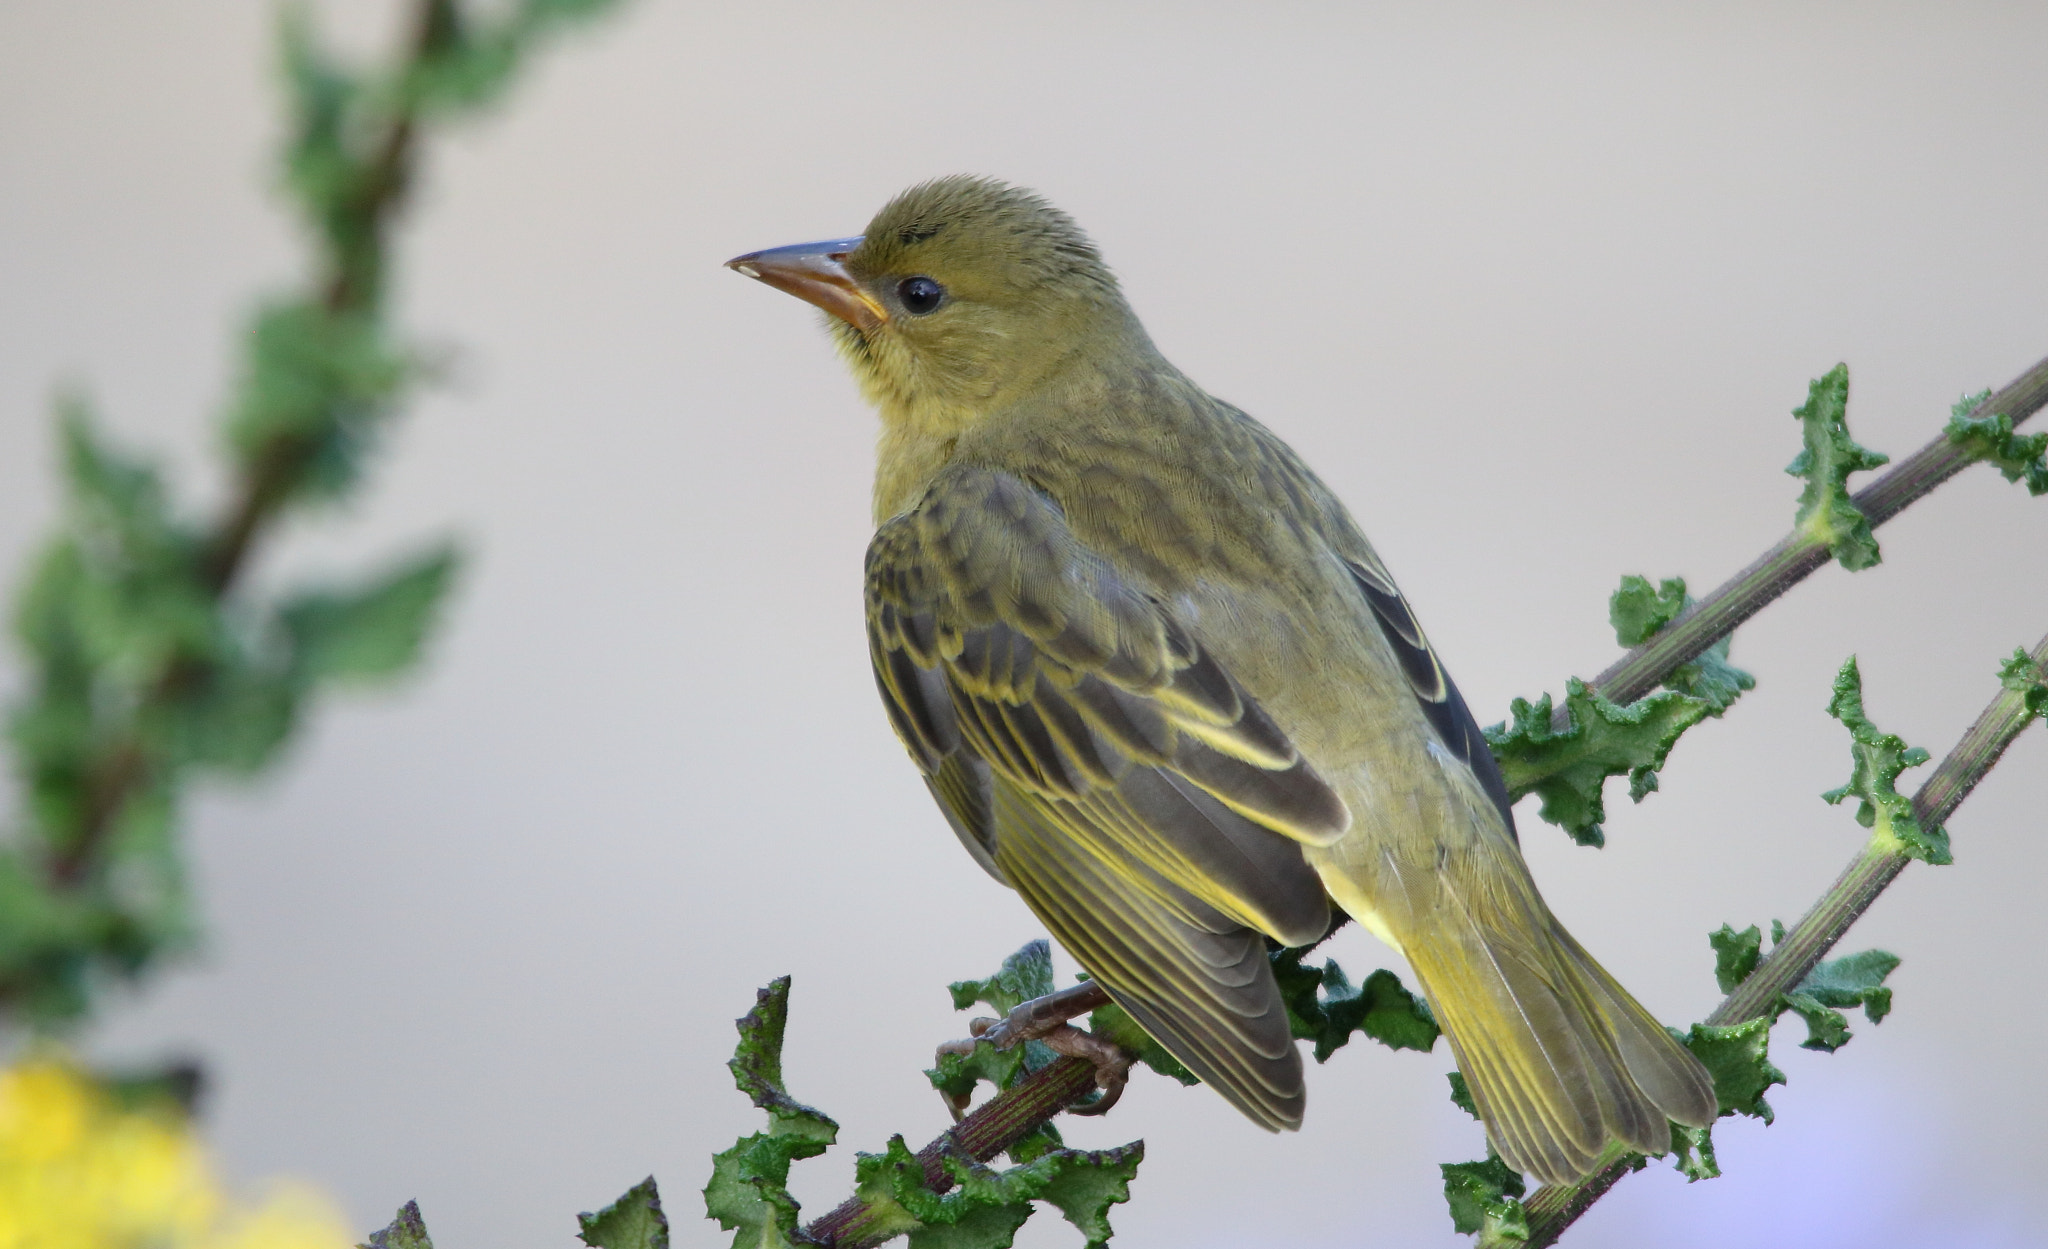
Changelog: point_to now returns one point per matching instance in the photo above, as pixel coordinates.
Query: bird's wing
(1434, 690)
(1092, 754)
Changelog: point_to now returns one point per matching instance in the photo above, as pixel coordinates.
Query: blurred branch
(146, 662)
(268, 479)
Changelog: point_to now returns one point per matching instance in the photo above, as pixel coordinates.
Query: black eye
(920, 295)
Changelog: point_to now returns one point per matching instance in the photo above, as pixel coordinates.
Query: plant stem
(995, 1126)
(1796, 556)
(1554, 1207)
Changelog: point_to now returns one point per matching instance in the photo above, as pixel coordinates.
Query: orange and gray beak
(816, 273)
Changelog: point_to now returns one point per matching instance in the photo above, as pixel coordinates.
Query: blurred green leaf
(407, 1231)
(1878, 758)
(2017, 457)
(1826, 511)
(369, 631)
(316, 387)
(1568, 769)
(634, 1221)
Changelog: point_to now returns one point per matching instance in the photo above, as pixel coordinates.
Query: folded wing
(1089, 752)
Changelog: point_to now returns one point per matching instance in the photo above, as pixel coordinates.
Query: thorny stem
(1555, 1207)
(125, 768)
(1796, 556)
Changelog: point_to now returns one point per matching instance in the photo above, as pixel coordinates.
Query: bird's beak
(816, 273)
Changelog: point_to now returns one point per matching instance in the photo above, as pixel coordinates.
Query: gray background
(1534, 287)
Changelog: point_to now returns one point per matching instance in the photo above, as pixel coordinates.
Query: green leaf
(1322, 1006)
(748, 1192)
(1568, 769)
(407, 1231)
(2024, 676)
(1878, 759)
(474, 61)
(1857, 980)
(1692, 1153)
(317, 386)
(2018, 457)
(1738, 1059)
(1461, 1094)
(1024, 975)
(1639, 613)
(1826, 512)
(372, 630)
(634, 1221)
(757, 1068)
(1483, 1197)
(1113, 1025)
(1088, 1184)
(985, 1207)
(1735, 954)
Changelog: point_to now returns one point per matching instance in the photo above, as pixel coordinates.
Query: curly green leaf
(1024, 975)
(1639, 612)
(1738, 1059)
(1568, 768)
(1990, 438)
(1878, 758)
(1827, 513)
(1856, 980)
(985, 1207)
(748, 1193)
(1324, 1007)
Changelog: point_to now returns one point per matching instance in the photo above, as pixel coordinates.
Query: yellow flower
(80, 1171)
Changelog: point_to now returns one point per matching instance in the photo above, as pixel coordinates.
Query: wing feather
(1434, 690)
(1090, 752)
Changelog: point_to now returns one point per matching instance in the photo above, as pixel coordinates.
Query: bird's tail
(1559, 1058)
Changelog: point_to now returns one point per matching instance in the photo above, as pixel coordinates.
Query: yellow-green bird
(1162, 686)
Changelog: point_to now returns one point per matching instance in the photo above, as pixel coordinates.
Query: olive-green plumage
(1161, 685)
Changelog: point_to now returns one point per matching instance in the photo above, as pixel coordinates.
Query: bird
(1161, 685)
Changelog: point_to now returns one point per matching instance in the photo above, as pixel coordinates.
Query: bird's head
(963, 294)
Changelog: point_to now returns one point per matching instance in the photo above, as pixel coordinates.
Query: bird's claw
(1045, 1019)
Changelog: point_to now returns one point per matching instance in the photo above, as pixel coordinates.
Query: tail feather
(1559, 1058)
(1662, 1068)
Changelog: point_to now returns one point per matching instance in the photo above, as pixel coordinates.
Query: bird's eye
(920, 295)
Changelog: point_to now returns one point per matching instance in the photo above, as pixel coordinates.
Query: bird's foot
(1045, 1019)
